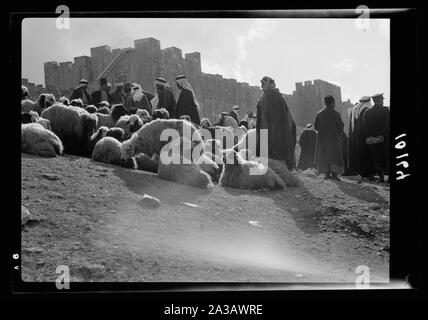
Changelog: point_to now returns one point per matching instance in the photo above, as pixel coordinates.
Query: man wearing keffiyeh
(164, 97)
(187, 103)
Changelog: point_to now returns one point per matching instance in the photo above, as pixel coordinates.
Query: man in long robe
(187, 103)
(118, 96)
(273, 114)
(359, 157)
(307, 142)
(164, 97)
(80, 92)
(137, 100)
(376, 125)
(103, 94)
(329, 155)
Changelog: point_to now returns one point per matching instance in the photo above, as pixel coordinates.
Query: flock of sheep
(112, 135)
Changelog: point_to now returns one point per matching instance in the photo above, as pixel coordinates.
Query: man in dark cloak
(359, 157)
(80, 92)
(344, 138)
(103, 94)
(118, 96)
(273, 114)
(376, 125)
(292, 164)
(187, 103)
(307, 142)
(329, 155)
(164, 97)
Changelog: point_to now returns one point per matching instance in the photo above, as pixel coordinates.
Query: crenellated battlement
(147, 61)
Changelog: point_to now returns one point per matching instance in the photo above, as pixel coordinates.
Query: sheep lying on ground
(187, 174)
(190, 150)
(236, 174)
(282, 171)
(35, 139)
(147, 139)
(107, 150)
(144, 162)
(73, 125)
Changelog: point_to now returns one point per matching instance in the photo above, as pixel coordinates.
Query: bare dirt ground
(88, 215)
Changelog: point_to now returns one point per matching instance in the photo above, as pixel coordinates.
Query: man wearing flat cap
(103, 94)
(329, 154)
(80, 92)
(376, 133)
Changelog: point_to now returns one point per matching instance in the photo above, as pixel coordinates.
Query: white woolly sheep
(144, 115)
(35, 139)
(146, 163)
(129, 124)
(44, 101)
(147, 139)
(37, 119)
(73, 125)
(280, 168)
(107, 150)
(236, 174)
(97, 136)
(187, 174)
(64, 101)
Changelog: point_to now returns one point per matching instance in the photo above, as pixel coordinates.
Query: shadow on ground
(142, 182)
(356, 190)
(297, 201)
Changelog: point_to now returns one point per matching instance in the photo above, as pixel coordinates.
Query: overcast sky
(288, 50)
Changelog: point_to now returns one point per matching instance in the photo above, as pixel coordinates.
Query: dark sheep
(116, 133)
(91, 108)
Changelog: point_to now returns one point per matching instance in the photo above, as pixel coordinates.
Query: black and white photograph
(208, 149)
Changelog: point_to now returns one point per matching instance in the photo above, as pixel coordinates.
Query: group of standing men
(325, 147)
(365, 152)
(133, 97)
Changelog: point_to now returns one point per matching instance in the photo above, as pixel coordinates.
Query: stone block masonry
(146, 61)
